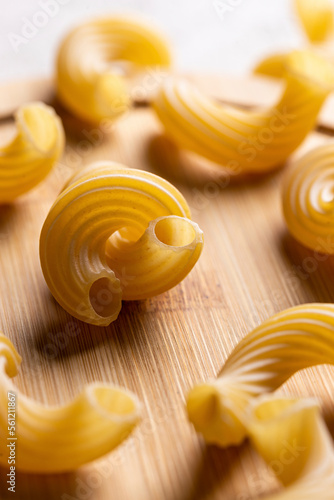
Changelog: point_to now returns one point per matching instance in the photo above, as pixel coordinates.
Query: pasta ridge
(247, 140)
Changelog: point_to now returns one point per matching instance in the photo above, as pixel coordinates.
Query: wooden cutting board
(250, 269)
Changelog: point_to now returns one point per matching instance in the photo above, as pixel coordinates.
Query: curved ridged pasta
(29, 157)
(308, 199)
(92, 58)
(316, 17)
(294, 339)
(62, 438)
(116, 233)
(248, 141)
(294, 441)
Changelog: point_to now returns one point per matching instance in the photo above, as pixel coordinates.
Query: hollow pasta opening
(104, 297)
(175, 231)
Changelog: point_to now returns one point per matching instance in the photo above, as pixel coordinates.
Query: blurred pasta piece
(36, 147)
(273, 66)
(317, 18)
(97, 60)
(247, 140)
(54, 439)
(290, 341)
(294, 441)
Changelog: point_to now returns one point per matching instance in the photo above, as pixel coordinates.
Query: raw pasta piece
(316, 17)
(36, 147)
(308, 199)
(52, 439)
(96, 60)
(294, 339)
(294, 441)
(273, 66)
(246, 140)
(116, 233)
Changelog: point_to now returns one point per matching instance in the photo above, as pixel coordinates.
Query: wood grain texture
(250, 269)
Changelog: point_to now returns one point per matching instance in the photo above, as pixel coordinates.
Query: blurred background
(222, 36)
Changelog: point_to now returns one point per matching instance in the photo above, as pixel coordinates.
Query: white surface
(202, 39)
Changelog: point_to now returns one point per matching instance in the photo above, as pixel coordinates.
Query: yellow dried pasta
(61, 438)
(31, 154)
(317, 18)
(294, 441)
(243, 140)
(294, 339)
(273, 66)
(308, 199)
(96, 60)
(116, 233)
